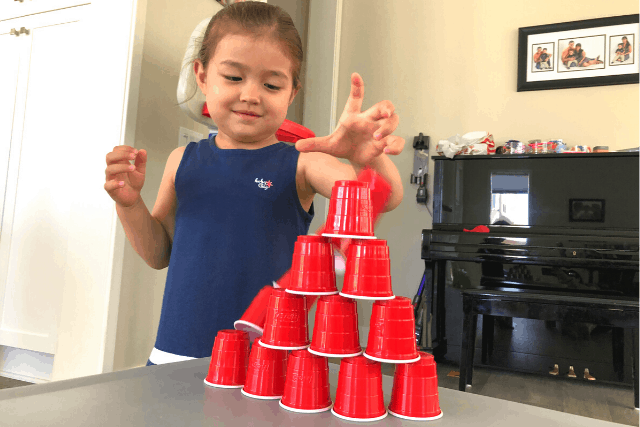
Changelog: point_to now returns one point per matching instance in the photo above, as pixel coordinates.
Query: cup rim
(222, 385)
(344, 417)
(378, 359)
(306, 411)
(367, 298)
(312, 293)
(256, 396)
(253, 326)
(319, 353)
(406, 417)
(347, 236)
(275, 347)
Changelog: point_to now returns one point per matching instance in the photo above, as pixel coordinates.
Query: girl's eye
(272, 87)
(233, 78)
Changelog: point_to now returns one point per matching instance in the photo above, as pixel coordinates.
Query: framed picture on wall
(594, 52)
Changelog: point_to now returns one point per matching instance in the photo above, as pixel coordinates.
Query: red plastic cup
(228, 366)
(380, 191)
(254, 318)
(312, 268)
(415, 390)
(306, 387)
(392, 332)
(368, 271)
(284, 281)
(266, 372)
(350, 213)
(286, 327)
(359, 395)
(335, 331)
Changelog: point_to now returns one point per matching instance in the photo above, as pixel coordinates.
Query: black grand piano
(562, 223)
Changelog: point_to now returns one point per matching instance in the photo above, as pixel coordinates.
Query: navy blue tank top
(237, 219)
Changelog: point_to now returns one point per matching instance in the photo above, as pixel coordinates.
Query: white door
(39, 181)
(11, 48)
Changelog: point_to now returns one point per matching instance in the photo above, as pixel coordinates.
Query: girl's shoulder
(173, 162)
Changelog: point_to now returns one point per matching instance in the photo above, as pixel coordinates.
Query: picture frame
(586, 210)
(592, 52)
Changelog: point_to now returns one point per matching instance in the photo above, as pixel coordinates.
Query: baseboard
(25, 365)
(24, 378)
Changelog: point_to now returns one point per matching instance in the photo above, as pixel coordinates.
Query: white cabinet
(35, 222)
(64, 87)
(10, 9)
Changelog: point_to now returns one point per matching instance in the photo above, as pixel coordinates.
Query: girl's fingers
(354, 102)
(141, 161)
(113, 185)
(387, 127)
(122, 153)
(381, 110)
(313, 144)
(119, 168)
(395, 144)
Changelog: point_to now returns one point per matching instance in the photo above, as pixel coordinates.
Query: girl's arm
(151, 233)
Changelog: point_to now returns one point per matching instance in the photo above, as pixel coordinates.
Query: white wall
(450, 67)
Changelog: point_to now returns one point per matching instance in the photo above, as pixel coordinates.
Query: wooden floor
(589, 399)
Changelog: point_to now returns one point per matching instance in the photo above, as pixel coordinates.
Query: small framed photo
(594, 52)
(586, 210)
(542, 57)
(621, 49)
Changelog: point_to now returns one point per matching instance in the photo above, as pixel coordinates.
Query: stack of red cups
(280, 314)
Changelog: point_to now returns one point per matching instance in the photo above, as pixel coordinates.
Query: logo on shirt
(263, 184)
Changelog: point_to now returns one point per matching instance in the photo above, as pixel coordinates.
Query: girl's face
(248, 87)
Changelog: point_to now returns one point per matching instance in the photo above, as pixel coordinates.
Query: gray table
(175, 395)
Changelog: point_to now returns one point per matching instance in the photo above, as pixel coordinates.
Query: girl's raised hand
(361, 135)
(124, 180)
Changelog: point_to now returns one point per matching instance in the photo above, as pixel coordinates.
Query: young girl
(230, 209)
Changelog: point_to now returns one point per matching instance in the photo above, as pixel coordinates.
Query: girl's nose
(250, 93)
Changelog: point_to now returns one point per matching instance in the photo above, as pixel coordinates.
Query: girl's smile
(247, 114)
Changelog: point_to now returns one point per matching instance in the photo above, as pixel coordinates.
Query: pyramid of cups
(285, 364)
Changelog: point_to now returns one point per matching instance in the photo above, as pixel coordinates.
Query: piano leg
(634, 366)
(487, 336)
(439, 286)
(617, 343)
(468, 343)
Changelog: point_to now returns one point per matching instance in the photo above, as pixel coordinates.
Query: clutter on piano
(473, 143)
(482, 143)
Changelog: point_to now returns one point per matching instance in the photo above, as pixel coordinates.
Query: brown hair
(259, 20)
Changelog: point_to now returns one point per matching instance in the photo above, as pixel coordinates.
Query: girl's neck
(224, 142)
